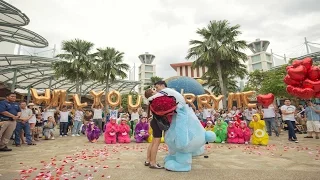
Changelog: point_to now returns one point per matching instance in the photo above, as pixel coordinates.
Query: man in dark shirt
(9, 113)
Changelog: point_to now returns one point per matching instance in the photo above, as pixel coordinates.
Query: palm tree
(219, 43)
(76, 62)
(108, 66)
(153, 80)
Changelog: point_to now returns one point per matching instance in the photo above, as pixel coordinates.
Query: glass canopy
(24, 72)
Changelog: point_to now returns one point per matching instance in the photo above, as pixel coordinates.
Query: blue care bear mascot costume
(186, 136)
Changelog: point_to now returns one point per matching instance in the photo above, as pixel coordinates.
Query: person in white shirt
(135, 116)
(269, 115)
(248, 113)
(205, 113)
(288, 112)
(32, 121)
(97, 115)
(64, 120)
(78, 116)
(48, 111)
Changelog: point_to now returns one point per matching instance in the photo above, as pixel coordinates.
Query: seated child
(209, 126)
(244, 133)
(142, 130)
(110, 134)
(233, 136)
(93, 132)
(259, 136)
(48, 128)
(220, 129)
(124, 131)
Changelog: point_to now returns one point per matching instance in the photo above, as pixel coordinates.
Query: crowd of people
(27, 123)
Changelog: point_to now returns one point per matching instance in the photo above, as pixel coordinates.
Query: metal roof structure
(24, 72)
(11, 16)
(11, 20)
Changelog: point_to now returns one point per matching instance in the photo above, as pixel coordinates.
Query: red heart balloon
(290, 81)
(307, 62)
(290, 88)
(315, 85)
(317, 95)
(303, 93)
(306, 93)
(288, 67)
(296, 63)
(314, 73)
(298, 73)
(265, 99)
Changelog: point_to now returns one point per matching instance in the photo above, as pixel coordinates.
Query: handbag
(162, 122)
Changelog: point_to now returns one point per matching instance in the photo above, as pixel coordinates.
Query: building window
(255, 58)
(269, 65)
(268, 58)
(148, 75)
(148, 68)
(257, 66)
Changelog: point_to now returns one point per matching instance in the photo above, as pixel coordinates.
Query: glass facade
(148, 68)
(257, 66)
(148, 75)
(269, 65)
(268, 58)
(256, 58)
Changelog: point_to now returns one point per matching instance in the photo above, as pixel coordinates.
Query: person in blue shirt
(9, 113)
(313, 119)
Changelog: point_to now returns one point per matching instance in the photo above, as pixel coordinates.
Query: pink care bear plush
(244, 133)
(123, 131)
(110, 134)
(232, 133)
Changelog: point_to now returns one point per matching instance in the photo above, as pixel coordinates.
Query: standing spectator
(313, 125)
(134, 120)
(9, 113)
(269, 115)
(64, 120)
(97, 115)
(288, 111)
(278, 120)
(205, 113)
(78, 116)
(33, 119)
(23, 123)
(198, 114)
(248, 113)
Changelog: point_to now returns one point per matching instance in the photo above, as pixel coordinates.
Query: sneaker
(5, 149)
(78, 135)
(296, 141)
(73, 135)
(60, 135)
(52, 138)
(223, 142)
(246, 142)
(65, 135)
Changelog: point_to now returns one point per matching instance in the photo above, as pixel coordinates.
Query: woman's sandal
(157, 166)
(32, 144)
(146, 163)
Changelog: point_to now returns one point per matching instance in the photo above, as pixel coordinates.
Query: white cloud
(164, 27)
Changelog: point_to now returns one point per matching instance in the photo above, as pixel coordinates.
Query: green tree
(124, 100)
(108, 66)
(219, 43)
(153, 80)
(273, 82)
(255, 80)
(231, 71)
(76, 62)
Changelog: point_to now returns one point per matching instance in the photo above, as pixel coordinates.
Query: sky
(165, 27)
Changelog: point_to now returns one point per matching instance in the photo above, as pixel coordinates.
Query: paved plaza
(76, 158)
